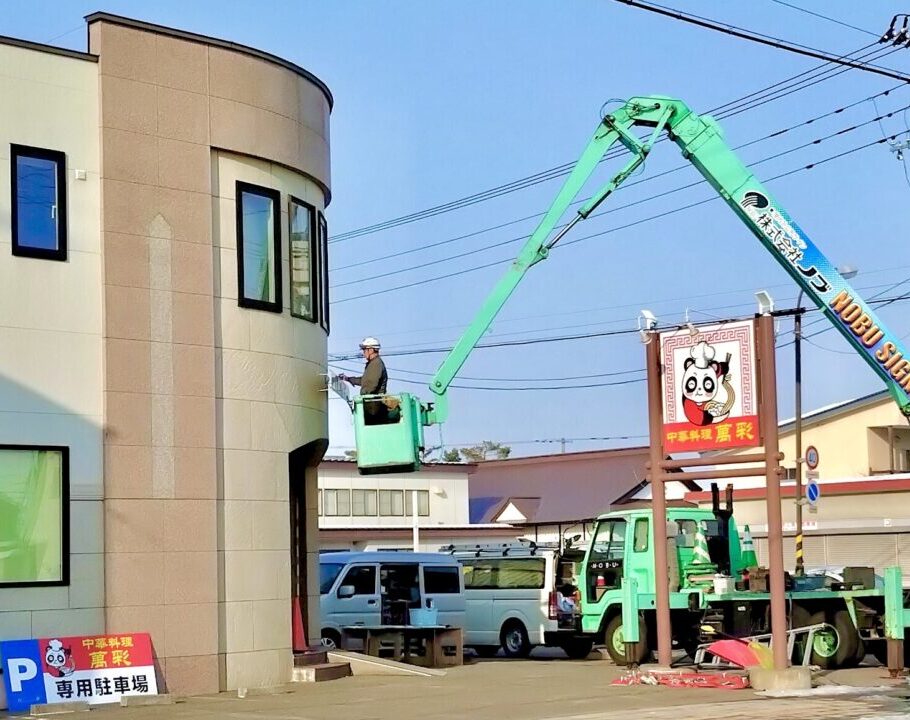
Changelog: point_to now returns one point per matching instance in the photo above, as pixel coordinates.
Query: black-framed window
(34, 515)
(322, 244)
(258, 247)
(38, 209)
(303, 256)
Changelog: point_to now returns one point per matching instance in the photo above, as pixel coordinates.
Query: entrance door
(302, 474)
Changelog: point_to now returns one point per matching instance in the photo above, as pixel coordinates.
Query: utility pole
(797, 342)
(846, 272)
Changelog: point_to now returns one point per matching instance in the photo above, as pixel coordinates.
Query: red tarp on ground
(725, 681)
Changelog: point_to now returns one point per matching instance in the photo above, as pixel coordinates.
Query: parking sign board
(94, 669)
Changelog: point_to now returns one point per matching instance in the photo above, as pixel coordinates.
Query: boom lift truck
(393, 441)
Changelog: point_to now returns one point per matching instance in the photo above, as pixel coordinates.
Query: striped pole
(799, 550)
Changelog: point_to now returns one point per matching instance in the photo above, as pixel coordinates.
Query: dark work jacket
(374, 378)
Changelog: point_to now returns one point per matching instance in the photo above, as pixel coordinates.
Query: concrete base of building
(792, 678)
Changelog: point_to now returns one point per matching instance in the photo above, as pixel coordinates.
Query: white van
(519, 596)
(381, 588)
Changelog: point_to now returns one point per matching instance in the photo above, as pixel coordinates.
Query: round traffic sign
(811, 457)
(812, 492)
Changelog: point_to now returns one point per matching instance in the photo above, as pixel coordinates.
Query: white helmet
(369, 342)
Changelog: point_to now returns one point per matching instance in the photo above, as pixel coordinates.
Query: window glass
(440, 580)
(336, 502)
(391, 503)
(34, 516)
(363, 502)
(506, 573)
(323, 245)
(303, 260)
(258, 247)
(641, 535)
(423, 502)
(609, 541)
(327, 574)
(38, 202)
(362, 579)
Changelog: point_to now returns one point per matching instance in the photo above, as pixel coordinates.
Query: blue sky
(437, 101)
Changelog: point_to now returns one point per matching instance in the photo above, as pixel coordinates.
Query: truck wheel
(834, 646)
(860, 654)
(331, 640)
(578, 648)
(514, 639)
(616, 646)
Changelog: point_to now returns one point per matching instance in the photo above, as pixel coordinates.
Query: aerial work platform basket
(388, 431)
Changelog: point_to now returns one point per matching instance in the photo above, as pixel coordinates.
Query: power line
(466, 253)
(739, 104)
(565, 338)
(650, 178)
(634, 305)
(825, 17)
(763, 39)
(604, 232)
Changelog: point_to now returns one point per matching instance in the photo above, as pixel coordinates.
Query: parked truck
(622, 552)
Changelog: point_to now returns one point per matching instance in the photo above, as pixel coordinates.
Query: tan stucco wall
(51, 329)
(166, 104)
(843, 441)
(271, 400)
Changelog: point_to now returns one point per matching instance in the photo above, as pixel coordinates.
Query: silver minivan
(387, 588)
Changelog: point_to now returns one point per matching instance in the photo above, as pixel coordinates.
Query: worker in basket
(373, 381)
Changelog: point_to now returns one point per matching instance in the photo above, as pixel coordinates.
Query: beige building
(856, 438)
(863, 513)
(163, 301)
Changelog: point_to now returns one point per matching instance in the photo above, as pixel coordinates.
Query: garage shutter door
(813, 552)
(903, 554)
(878, 551)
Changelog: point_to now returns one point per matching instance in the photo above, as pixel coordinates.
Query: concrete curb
(45, 709)
(144, 700)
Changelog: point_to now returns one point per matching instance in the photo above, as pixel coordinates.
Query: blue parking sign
(23, 674)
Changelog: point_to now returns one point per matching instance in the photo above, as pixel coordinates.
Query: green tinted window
(33, 516)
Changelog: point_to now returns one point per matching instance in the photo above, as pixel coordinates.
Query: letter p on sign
(21, 670)
(23, 674)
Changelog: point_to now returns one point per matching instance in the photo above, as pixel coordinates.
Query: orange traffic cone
(298, 634)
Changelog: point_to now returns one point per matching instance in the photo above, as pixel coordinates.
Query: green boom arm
(702, 143)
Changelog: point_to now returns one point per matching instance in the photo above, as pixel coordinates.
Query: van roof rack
(522, 547)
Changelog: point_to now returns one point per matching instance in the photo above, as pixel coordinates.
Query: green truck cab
(622, 549)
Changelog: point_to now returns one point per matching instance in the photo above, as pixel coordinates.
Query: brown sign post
(660, 470)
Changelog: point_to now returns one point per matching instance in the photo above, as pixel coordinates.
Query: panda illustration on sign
(59, 659)
(708, 396)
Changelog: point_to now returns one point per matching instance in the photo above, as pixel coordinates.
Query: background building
(163, 303)
(375, 512)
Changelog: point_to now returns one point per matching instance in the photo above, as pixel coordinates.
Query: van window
(327, 574)
(362, 578)
(440, 580)
(505, 574)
